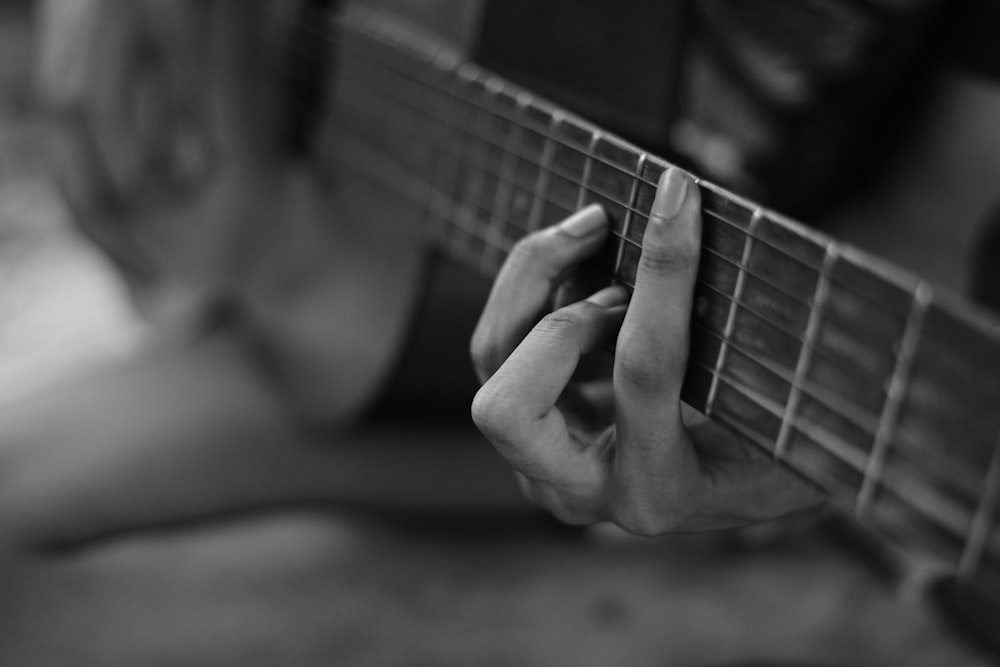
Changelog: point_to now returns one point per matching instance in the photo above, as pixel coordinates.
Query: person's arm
(623, 449)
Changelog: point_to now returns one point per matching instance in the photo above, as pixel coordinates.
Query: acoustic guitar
(867, 381)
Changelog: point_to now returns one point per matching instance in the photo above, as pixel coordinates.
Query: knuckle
(569, 322)
(669, 258)
(533, 250)
(642, 375)
(488, 413)
(498, 415)
(562, 323)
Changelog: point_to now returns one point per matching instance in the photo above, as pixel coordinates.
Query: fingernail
(670, 194)
(584, 222)
(609, 296)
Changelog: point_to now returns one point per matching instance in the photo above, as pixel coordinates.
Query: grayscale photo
(499, 333)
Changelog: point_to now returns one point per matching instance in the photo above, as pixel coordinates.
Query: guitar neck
(860, 377)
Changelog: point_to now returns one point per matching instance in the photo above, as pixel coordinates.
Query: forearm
(195, 435)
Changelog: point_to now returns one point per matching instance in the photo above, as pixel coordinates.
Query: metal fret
(496, 237)
(878, 423)
(805, 355)
(444, 61)
(983, 519)
(459, 215)
(895, 392)
(585, 179)
(629, 213)
(720, 361)
(544, 165)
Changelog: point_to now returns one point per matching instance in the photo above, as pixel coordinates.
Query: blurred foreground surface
(325, 589)
(328, 590)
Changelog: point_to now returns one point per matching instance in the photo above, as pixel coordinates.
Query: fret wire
(586, 125)
(828, 442)
(809, 234)
(849, 414)
(916, 494)
(627, 224)
(923, 497)
(627, 145)
(447, 122)
(983, 519)
(469, 75)
(448, 66)
(492, 86)
(506, 177)
(629, 207)
(651, 183)
(630, 210)
(763, 317)
(820, 394)
(894, 397)
(731, 316)
(544, 167)
(588, 156)
(727, 260)
(522, 101)
(805, 354)
(465, 219)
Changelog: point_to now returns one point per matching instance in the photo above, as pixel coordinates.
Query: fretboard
(865, 380)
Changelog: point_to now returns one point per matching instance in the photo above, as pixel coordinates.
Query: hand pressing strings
(621, 448)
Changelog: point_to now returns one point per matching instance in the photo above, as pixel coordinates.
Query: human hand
(621, 449)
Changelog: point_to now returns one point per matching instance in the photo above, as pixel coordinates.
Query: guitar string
(855, 415)
(502, 181)
(875, 274)
(955, 474)
(544, 130)
(832, 316)
(792, 300)
(487, 167)
(821, 398)
(939, 511)
(723, 341)
(425, 57)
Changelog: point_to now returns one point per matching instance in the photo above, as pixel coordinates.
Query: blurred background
(877, 122)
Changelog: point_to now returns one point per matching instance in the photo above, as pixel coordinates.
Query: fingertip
(676, 210)
(671, 193)
(585, 223)
(609, 297)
